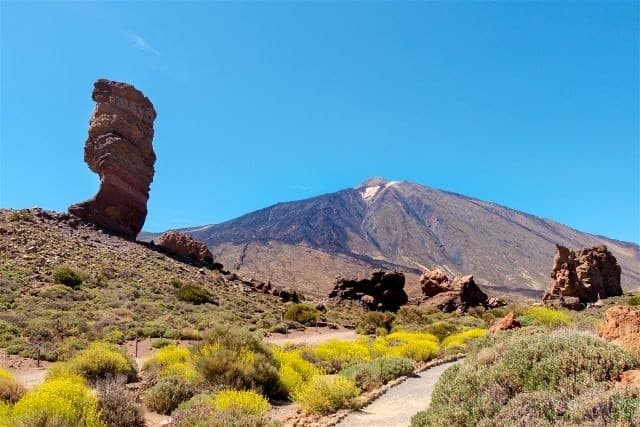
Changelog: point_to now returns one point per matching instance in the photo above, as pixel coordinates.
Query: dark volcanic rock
(180, 244)
(459, 294)
(119, 149)
(383, 291)
(582, 276)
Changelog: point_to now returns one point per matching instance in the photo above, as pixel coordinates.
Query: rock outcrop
(461, 293)
(622, 326)
(119, 149)
(180, 244)
(630, 378)
(581, 277)
(383, 291)
(507, 322)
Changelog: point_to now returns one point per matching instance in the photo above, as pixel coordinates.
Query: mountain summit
(401, 225)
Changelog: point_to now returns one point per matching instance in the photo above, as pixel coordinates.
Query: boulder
(383, 291)
(582, 277)
(622, 326)
(507, 322)
(461, 293)
(630, 378)
(180, 244)
(119, 149)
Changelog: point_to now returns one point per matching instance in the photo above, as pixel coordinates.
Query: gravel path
(400, 403)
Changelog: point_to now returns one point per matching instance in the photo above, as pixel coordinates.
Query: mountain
(401, 225)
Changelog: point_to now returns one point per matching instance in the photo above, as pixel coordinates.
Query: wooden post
(136, 347)
(38, 353)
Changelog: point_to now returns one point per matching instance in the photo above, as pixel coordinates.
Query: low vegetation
(374, 374)
(59, 401)
(222, 409)
(543, 316)
(88, 286)
(302, 313)
(10, 390)
(99, 361)
(535, 377)
(326, 393)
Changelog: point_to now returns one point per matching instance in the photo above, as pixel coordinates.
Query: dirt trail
(310, 336)
(396, 407)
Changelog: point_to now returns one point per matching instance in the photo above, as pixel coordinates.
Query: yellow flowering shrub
(460, 339)
(339, 354)
(543, 316)
(326, 393)
(247, 402)
(419, 346)
(168, 355)
(64, 401)
(294, 370)
(97, 361)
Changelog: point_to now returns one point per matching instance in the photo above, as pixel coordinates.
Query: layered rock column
(119, 149)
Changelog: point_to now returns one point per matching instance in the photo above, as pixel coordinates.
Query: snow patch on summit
(369, 192)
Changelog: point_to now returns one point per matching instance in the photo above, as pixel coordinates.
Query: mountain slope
(399, 225)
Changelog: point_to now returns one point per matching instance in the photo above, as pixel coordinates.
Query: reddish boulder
(461, 293)
(383, 291)
(622, 326)
(119, 149)
(180, 244)
(583, 276)
(629, 378)
(507, 322)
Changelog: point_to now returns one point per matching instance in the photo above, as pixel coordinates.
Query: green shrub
(117, 404)
(202, 410)
(543, 316)
(523, 376)
(167, 394)
(618, 406)
(442, 329)
(302, 313)
(371, 375)
(634, 300)
(195, 294)
(326, 393)
(98, 361)
(375, 320)
(67, 276)
(60, 401)
(160, 343)
(10, 390)
(238, 359)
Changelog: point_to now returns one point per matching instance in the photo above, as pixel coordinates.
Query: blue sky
(533, 105)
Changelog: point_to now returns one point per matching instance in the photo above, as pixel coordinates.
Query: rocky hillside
(118, 289)
(400, 225)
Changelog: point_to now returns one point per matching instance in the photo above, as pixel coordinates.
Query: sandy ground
(396, 407)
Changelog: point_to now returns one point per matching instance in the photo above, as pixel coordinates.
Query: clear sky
(533, 105)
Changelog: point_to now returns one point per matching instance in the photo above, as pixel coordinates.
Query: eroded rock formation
(461, 293)
(383, 291)
(119, 149)
(180, 244)
(582, 276)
